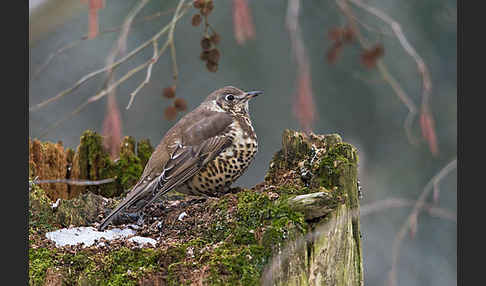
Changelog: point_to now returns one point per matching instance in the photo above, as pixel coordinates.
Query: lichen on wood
(47, 160)
(298, 227)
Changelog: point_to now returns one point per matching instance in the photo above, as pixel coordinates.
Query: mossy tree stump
(330, 251)
(298, 227)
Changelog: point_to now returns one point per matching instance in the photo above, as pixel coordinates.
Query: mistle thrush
(202, 154)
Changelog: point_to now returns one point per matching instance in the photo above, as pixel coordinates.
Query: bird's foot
(140, 220)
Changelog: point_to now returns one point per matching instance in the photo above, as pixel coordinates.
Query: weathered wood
(330, 253)
(314, 205)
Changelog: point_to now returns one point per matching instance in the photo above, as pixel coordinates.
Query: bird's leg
(141, 218)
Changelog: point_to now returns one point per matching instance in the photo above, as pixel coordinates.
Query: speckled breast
(227, 167)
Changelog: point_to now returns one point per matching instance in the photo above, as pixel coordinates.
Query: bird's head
(231, 99)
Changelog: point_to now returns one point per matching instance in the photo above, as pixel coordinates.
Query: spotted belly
(213, 179)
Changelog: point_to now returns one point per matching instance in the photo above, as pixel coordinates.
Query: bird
(201, 155)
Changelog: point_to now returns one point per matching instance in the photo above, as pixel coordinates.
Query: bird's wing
(187, 155)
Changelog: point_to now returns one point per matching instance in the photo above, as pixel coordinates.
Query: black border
(470, 118)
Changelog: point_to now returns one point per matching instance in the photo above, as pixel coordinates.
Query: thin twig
(122, 39)
(292, 21)
(172, 43)
(304, 108)
(152, 61)
(397, 30)
(59, 51)
(411, 222)
(147, 78)
(120, 46)
(74, 182)
(106, 68)
(101, 94)
(381, 205)
(387, 76)
(86, 37)
(380, 31)
(409, 49)
(156, 56)
(108, 86)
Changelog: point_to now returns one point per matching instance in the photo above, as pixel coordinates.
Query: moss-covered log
(298, 227)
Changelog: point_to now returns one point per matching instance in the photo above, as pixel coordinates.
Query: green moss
(40, 211)
(39, 261)
(129, 167)
(123, 266)
(144, 151)
(137, 261)
(81, 210)
(293, 190)
(330, 167)
(95, 163)
(237, 265)
(242, 256)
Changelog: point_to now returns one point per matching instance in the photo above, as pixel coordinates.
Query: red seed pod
(180, 104)
(348, 34)
(333, 53)
(210, 5)
(212, 67)
(214, 55)
(196, 20)
(198, 4)
(207, 8)
(205, 43)
(169, 92)
(204, 55)
(170, 113)
(215, 38)
(370, 56)
(335, 33)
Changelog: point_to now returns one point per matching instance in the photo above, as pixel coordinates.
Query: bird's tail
(137, 193)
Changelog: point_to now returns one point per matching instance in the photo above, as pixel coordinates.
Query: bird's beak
(252, 94)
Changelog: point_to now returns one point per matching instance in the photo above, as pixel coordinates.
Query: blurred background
(346, 94)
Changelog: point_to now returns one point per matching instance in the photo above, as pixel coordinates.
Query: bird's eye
(230, 97)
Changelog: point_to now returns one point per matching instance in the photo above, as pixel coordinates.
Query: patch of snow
(86, 235)
(143, 240)
(56, 204)
(182, 215)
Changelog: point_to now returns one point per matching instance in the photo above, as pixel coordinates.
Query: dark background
(350, 100)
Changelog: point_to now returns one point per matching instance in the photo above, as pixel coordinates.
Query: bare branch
(122, 39)
(171, 41)
(381, 205)
(387, 76)
(73, 44)
(109, 67)
(304, 108)
(155, 58)
(397, 29)
(411, 222)
(109, 86)
(152, 61)
(49, 59)
(74, 182)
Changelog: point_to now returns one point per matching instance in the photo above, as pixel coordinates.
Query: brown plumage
(202, 154)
